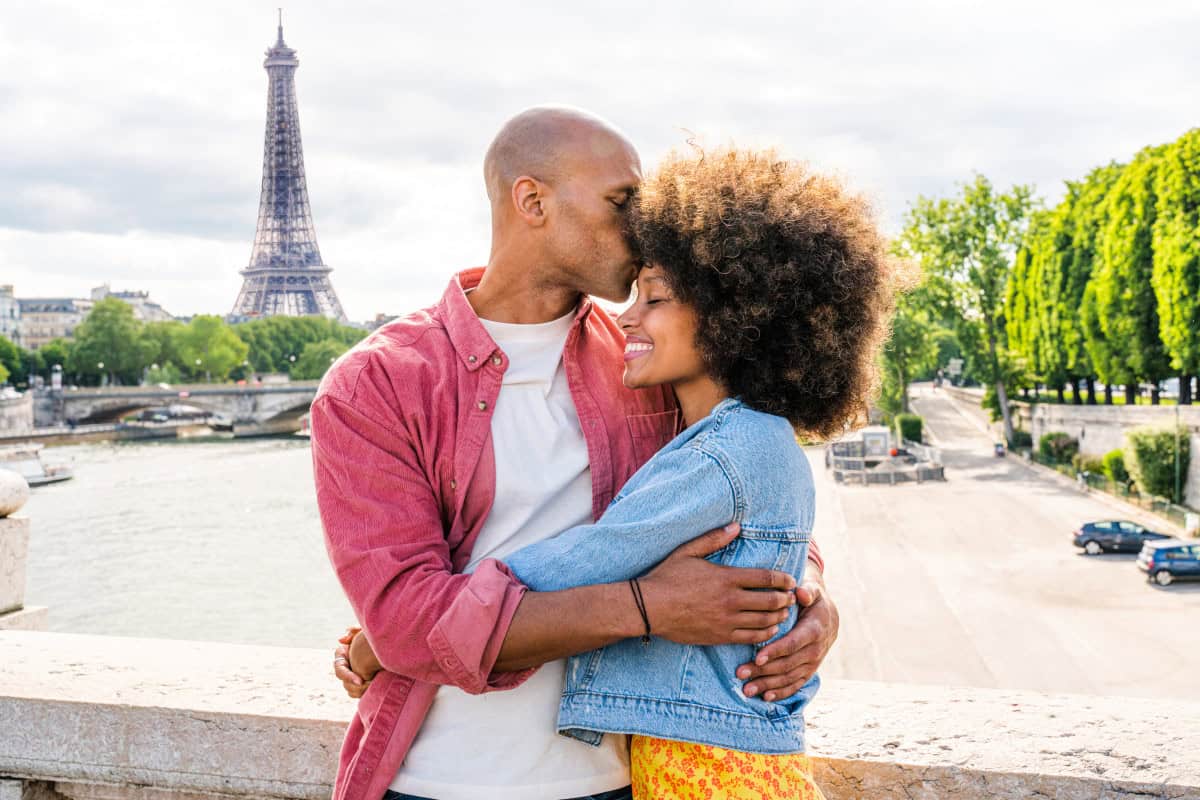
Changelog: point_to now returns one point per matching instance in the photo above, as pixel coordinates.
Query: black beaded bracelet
(641, 607)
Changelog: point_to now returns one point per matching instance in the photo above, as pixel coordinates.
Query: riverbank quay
(108, 432)
(114, 718)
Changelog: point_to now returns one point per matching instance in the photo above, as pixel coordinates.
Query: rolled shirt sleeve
(384, 536)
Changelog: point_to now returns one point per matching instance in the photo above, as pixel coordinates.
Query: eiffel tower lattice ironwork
(286, 275)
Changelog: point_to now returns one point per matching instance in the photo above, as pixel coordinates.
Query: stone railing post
(14, 550)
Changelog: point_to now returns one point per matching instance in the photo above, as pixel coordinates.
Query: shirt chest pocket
(650, 432)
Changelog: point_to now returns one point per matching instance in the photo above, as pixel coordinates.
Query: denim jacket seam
(715, 710)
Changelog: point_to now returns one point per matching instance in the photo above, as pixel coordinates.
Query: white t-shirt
(503, 745)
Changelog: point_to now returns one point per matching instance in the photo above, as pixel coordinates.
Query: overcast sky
(131, 133)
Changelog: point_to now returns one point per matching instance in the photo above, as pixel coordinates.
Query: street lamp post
(103, 377)
(1178, 499)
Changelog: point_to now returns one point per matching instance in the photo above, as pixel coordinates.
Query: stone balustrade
(14, 549)
(108, 718)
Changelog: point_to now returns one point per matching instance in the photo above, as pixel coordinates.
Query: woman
(763, 300)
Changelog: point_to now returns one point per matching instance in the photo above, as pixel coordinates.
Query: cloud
(131, 133)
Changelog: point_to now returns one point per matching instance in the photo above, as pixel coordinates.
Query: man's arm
(384, 536)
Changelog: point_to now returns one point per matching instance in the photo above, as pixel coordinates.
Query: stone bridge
(256, 408)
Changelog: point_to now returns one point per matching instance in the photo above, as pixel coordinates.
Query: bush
(1057, 448)
(1090, 464)
(1114, 467)
(908, 426)
(1022, 440)
(1150, 459)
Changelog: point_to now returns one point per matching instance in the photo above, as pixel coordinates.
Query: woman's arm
(680, 495)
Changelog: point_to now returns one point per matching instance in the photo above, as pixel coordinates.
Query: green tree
(316, 357)
(109, 342)
(162, 339)
(966, 245)
(1150, 457)
(1126, 311)
(1176, 261)
(910, 350)
(208, 347)
(10, 359)
(55, 351)
(275, 342)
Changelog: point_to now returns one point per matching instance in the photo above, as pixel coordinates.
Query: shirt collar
(467, 334)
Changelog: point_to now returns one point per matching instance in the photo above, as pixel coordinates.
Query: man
(458, 434)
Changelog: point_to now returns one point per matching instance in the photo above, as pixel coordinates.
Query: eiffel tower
(286, 275)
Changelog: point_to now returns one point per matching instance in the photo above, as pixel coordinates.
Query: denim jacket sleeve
(678, 495)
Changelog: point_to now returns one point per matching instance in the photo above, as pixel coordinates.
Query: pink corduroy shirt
(405, 477)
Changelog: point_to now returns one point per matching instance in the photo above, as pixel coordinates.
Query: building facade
(10, 315)
(44, 319)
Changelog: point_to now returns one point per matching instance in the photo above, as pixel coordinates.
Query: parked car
(1166, 560)
(1114, 536)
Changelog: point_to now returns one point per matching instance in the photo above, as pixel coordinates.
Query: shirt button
(471, 359)
(453, 484)
(483, 405)
(496, 360)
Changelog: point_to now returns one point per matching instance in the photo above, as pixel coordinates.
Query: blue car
(1114, 536)
(1167, 560)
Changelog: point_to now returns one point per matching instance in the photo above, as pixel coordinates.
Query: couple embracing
(579, 545)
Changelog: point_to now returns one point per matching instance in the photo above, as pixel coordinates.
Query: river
(213, 540)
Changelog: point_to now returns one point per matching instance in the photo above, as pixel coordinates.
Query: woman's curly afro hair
(787, 272)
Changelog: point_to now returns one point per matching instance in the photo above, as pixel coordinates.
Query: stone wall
(1102, 428)
(108, 718)
(16, 415)
(1099, 428)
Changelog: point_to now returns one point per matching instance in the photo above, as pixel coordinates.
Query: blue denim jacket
(736, 464)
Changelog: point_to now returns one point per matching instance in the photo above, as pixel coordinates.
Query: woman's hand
(356, 650)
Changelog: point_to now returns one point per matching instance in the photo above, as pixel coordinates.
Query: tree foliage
(316, 358)
(1175, 240)
(108, 342)
(208, 348)
(1150, 457)
(966, 246)
(277, 342)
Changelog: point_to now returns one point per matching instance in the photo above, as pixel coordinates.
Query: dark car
(1114, 536)
(1166, 560)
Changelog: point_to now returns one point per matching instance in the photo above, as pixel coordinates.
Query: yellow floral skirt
(666, 770)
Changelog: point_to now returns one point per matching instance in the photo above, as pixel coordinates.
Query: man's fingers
(779, 666)
(797, 639)
(763, 601)
(808, 594)
(760, 619)
(753, 635)
(766, 683)
(711, 542)
(753, 578)
(779, 695)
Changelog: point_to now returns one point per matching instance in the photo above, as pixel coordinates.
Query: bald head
(546, 143)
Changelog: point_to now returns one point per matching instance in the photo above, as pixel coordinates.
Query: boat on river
(26, 461)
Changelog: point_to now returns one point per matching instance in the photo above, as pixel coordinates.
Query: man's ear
(528, 197)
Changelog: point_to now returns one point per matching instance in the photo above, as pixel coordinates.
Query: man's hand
(693, 601)
(785, 665)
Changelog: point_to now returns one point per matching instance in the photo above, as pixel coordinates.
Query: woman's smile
(636, 347)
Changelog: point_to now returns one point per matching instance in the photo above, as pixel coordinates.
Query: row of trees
(1103, 287)
(1107, 284)
(112, 345)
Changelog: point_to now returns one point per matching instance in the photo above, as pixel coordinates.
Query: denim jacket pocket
(650, 432)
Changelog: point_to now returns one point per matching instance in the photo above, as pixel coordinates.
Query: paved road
(974, 582)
